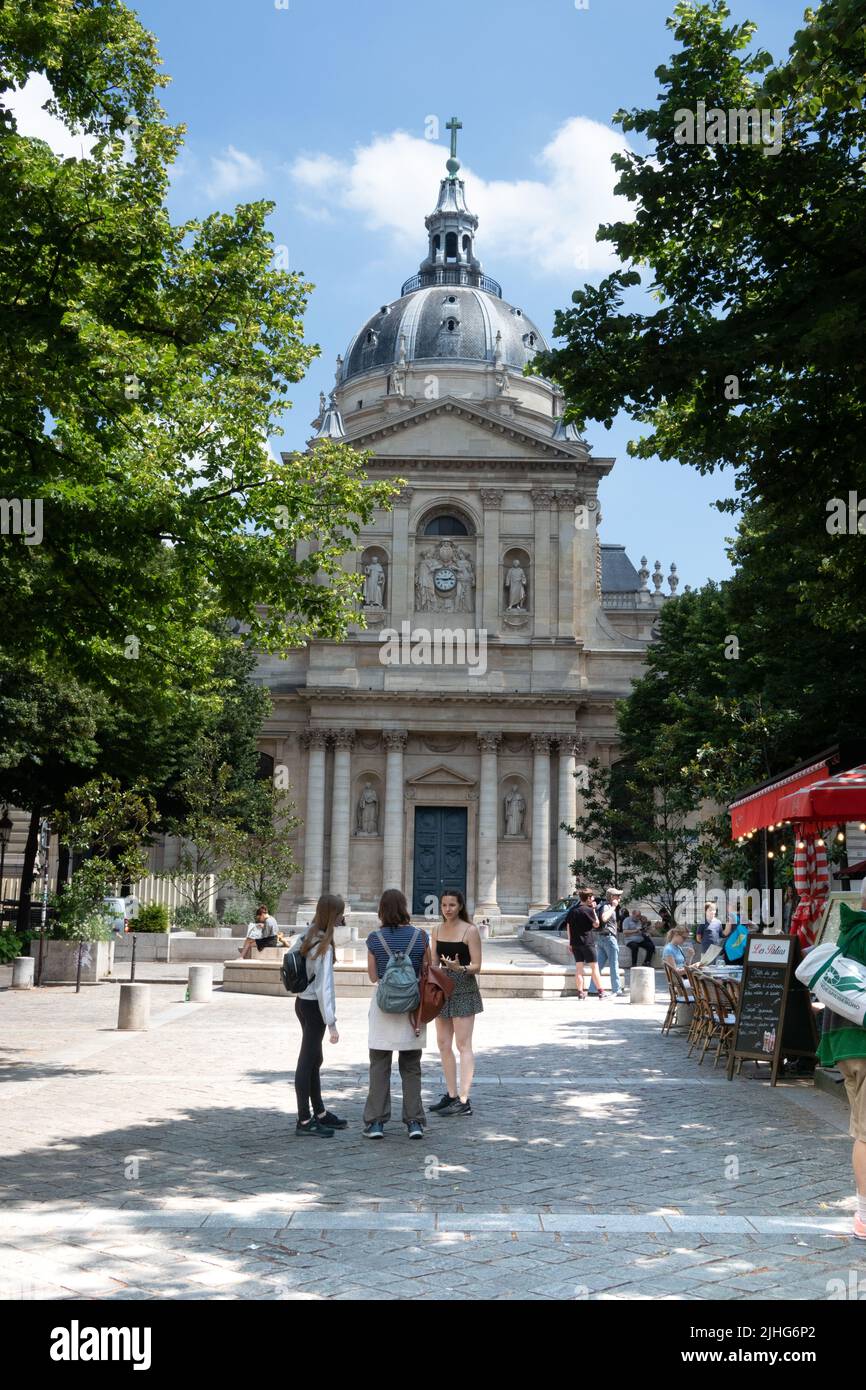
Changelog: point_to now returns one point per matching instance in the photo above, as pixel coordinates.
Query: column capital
(404, 496)
(574, 744)
(541, 743)
(567, 498)
(489, 741)
(314, 738)
(342, 738)
(395, 738)
(491, 497)
(542, 496)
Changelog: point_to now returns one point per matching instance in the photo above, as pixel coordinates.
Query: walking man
(607, 939)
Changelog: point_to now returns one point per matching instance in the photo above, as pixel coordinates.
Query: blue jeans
(608, 954)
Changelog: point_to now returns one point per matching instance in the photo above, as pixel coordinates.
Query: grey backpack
(398, 991)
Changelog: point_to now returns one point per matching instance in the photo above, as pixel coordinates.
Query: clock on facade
(444, 579)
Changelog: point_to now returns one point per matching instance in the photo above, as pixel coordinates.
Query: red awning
(762, 807)
(828, 801)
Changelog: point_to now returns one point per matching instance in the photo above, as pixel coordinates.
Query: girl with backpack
(457, 947)
(396, 953)
(316, 1010)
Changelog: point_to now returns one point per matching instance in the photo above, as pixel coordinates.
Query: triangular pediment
(440, 776)
(457, 428)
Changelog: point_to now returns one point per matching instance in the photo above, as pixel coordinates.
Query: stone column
(569, 519)
(542, 500)
(489, 595)
(540, 822)
(392, 862)
(568, 848)
(341, 812)
(400, 592)
(488, 827)
(314, 817)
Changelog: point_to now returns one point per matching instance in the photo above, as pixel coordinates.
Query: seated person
(263, 931)
(635, 933)
(678, 950)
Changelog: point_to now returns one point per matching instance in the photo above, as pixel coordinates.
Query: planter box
(60, 961)
(149, 945)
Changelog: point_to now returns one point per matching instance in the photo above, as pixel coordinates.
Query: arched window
(451, 246)
(437, 242)
(467, 246)
(446, 526)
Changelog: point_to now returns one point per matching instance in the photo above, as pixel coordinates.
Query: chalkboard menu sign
(775, 1017)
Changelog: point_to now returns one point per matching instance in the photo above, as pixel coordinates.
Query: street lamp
(5, 833)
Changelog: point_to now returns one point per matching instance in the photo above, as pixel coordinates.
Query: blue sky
(325, 107)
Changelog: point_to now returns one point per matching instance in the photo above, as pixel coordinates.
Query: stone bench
(262, 976)
(554, 947)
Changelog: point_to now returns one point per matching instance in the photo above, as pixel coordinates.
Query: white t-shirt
(256, 930)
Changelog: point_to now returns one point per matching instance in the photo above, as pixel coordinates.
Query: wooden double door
(440, 854)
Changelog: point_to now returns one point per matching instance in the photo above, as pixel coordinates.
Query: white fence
(172, 893)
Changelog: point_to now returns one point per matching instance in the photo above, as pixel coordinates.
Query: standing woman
(316, 1010)
(389, 1033)
(581, 921)
(457, 948)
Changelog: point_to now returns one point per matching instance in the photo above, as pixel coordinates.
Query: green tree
(604, 830)
(143, 368)
(754, 357)
(264, 864)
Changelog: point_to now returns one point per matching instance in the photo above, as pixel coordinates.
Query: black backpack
(293, 971)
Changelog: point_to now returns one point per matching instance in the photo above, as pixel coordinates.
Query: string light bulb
(783, 848)
(801, 844)
(840, 836)
(770, 854)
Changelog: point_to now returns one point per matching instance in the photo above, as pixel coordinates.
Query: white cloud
(26, 104)
(234, 172)
(391, 183)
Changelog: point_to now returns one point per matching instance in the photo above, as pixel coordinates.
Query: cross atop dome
(453, 163)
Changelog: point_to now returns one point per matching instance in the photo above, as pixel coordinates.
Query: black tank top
(454, 950)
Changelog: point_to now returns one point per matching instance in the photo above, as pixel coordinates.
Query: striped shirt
(398, 939)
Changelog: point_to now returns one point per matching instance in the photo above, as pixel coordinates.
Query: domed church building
(436, 746)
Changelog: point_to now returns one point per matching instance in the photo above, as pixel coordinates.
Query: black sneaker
(445, 1104)
(376, 1130)
(416, 1131)
(314, 1127)
(463, 1107)
(332, 1121)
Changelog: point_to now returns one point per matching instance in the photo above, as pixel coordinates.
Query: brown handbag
(434, 987)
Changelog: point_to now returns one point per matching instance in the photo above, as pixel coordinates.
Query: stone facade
(491, 653)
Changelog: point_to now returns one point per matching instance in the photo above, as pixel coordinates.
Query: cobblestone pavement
(600, 1163)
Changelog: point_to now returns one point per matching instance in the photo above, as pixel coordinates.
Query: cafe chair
(702, 1018)
(678, 993)
(723, 1021)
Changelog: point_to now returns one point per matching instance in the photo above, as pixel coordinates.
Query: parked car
(550, 918)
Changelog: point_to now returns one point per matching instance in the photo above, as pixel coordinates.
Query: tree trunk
(64, 866)
(25, 892)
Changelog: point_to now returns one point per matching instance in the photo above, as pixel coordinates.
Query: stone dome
(443, 322)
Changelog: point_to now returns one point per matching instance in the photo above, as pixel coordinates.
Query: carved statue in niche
(516, 587)
(374, 584)
(464, 602)
(367, 815)
(515, 812)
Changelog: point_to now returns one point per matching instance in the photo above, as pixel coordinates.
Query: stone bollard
(642, 985)
(685, 1014)
(23, 970)
(353, 933)
(134, 1011)
(200, 984)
